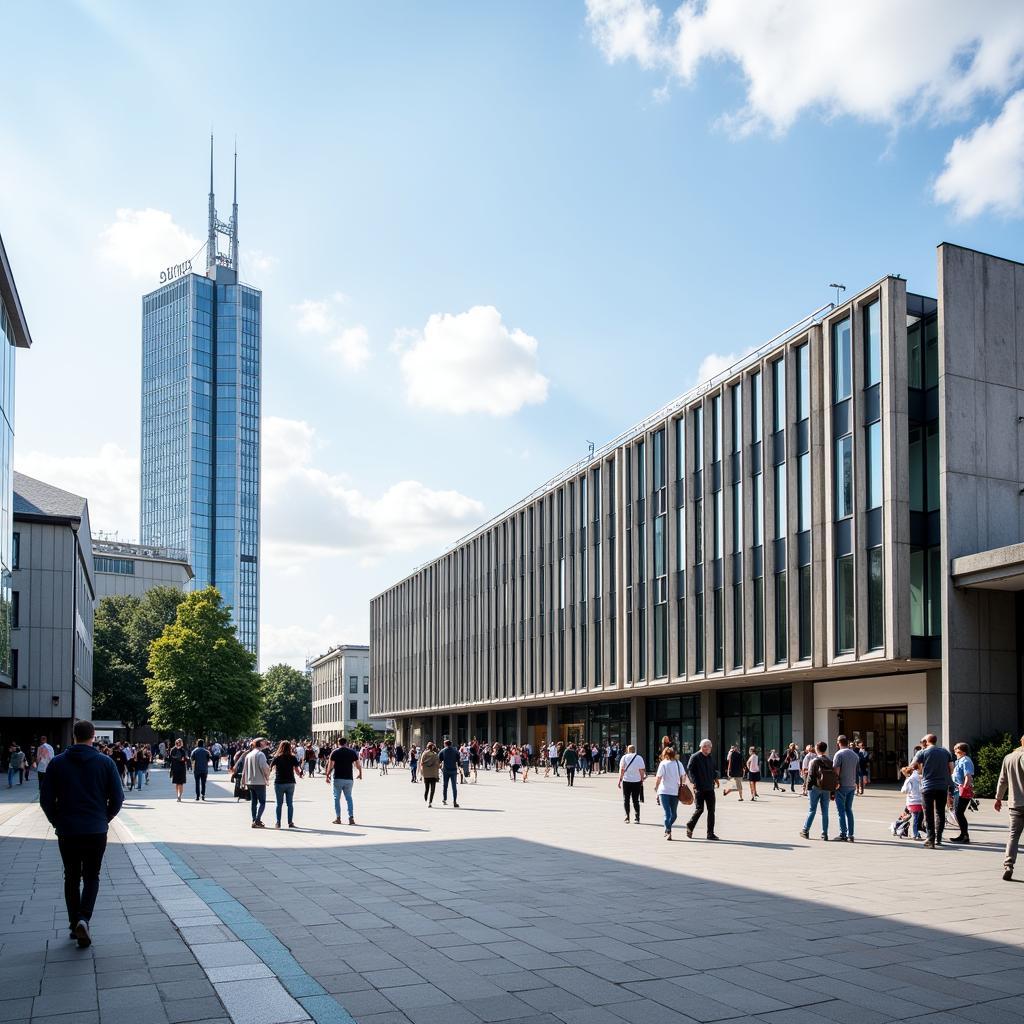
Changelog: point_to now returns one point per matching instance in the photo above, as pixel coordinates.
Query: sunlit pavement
(531, 902)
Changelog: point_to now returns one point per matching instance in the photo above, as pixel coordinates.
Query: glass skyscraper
(201, 338)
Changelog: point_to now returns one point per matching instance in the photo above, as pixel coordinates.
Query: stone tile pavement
(531, 903)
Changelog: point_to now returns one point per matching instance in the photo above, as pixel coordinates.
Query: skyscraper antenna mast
(234, 216)
(211, 231)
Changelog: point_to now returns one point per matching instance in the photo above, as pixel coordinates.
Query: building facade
(200, 466)
(819, 539)
(14, 334)
(122, 568)
(53, 596)
(340, 682)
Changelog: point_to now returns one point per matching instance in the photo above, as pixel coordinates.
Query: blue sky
(633, 190)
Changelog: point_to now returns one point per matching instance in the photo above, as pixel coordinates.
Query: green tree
(125, 627)
(202, 681)
(361, 732)
(287, 703)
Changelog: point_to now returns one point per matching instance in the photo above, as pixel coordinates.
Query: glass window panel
(873, 442)
(717, 629)
(932, 479)
(757, 525)
(935, 591)
(736, 401)
(915, 364)
(698, 437)
(779, 394)
(659, 459)
(916, 468)
(781, 618)
(681, 637)
(680, 448)
(759, 620)
(844, 604)
(659, 546)
(876, 604)
(844, 476)
(872, 344)
(660, 641)
(698, 629)
(842, 369)
(737, 625)
(755, 407)
(716, 428)
(780, 501)
(803, 492)
(917, 592)
(803, 372)
(931, 353)
(804, 612)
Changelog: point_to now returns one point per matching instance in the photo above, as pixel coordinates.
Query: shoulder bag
(685, 793)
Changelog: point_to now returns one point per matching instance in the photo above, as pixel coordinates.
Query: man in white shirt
(44, 755)
(216, 752)
(553, 756)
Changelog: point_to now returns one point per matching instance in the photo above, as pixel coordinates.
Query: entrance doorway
(884, 733)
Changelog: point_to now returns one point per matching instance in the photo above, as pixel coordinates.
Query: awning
(997, 569)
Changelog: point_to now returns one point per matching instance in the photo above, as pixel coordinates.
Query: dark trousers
(82, 857)
(258, 799)
(450, 777)
(429, 786)
(962, 803)
(703, 798)
(570, 774)
(632, 791)
(935, 813)
(200, 778)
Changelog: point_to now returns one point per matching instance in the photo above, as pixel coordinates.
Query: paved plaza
(530, 903)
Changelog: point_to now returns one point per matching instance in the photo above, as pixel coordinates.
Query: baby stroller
(900, 828)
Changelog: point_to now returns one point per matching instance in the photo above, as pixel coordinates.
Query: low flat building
(823, 538)
(340, 681)
(123, 568)
(53, 596)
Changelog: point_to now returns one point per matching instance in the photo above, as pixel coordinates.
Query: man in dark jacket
(704, 776)
(449, 757)
(81, 794)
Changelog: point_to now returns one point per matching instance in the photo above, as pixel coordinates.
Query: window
(926, 591)
(660, 641)
(780, 501)
(366, 684)
(659, 546)
(15, 609)
(737, 625)
(755, 407)
(758, 511)
(844, 476)
(716, 428)
(803, 382)
(353, 684)
(698, 628)
(872, 344)
(717, 629)
(14, 668)
(844, 604)
(803, 492)
(759, 620)
(717, 524)
(736, 401)
(16, 551)
(680, 448)
(842, 368)
(779, 395)
(680, 538)
(804, 612)
(659, 459)
(781, 617)
(353, 710)
(698, 438)
(118, 566)
(698, 532)
(681, 636)
(873, 456)
(876, 600)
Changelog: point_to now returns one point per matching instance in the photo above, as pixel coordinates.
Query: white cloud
(875, 60)
(309, 513)
(109, 480)
(143, 242)
(313, 317)
(292, 644)
(353, 346)
(715, 363)
(985, 169)
(471, 362)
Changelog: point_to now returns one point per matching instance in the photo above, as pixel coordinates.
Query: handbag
(967, 790)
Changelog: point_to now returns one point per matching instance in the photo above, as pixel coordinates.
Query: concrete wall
(981, 396)
(149, 573)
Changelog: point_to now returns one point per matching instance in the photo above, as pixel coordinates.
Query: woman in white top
(670, 774)
(632, 772)
(753, 772)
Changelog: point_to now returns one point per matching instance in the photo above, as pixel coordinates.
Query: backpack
(828, 777)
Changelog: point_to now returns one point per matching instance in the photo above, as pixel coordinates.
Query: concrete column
(803, 715)
(708, 716)
(520, 725)
(491, 727)
(552, 722)
(638, 722)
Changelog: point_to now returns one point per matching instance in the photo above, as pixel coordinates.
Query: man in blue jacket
(81, 794)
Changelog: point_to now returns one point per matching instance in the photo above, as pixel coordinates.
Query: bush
(988, 759)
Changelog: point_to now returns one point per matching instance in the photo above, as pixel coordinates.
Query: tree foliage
(287, 703)
(202, 681)
(362, 732)
(988, 759)
(125, 626)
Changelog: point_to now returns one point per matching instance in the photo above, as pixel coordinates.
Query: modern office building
(123, 568)
(53, 595)
(825, 537)
(201, 341)
(340, 681)
(14, 334)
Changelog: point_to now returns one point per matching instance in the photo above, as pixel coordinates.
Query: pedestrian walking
(1010, 788)
(340, 764)
(142, 758)
(821, 783)
(80, 793)
(791, 763)
(216, 752)
(847, 765)
(255, 776)
(669, 777)
(383, 760)
(449, 758)
(632, 772)
(703, 775)
(552, 758)
(414, 760)
(734, 769)
(286, 767)
(200, 761)
(42, 757)
(570, 760)
(774, 768)
(178, 758)
(430, 770)
(753, 772)
(15, 765)
(963, 785)
(311, 757)
(936, 768)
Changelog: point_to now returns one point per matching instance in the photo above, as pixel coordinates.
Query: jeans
(703, 798)
(258, 801)
(844, 808)
(200, 778)
(11, 772)
(429, 787)
(632, 791)
(553, 761)
(570, 774)
(670, 804)
(343, 786)
(916, 822)
(453, 779)
(1013, 842)
(82, 857)
(818, 796)
(140, 777)
(412, 768)
(794, 778)
(960, 811)
(216, 763)
(285, 793)
(935, 813)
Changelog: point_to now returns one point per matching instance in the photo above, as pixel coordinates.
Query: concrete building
(340, 681)
(200, 464)
(825, 537)
(123, 568)
(14, 334)
(53, 595)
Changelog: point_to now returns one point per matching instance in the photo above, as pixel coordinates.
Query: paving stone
(259, 1001)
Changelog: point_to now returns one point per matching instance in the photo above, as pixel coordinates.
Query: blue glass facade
(7, 346)
(201, 434)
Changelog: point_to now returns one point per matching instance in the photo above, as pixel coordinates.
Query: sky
(486, 234)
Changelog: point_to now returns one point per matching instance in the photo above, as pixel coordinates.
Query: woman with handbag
(178, 760)
(430, 771)
(632, 771)
(963, 780)
(669, 779)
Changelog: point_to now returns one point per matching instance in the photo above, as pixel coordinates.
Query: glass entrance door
(884, 733)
